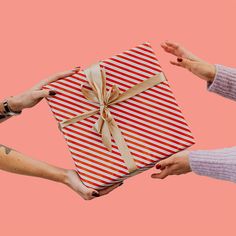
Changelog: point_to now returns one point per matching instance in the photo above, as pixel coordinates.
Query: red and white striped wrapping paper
(151, 123)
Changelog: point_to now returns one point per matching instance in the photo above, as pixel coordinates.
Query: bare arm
(15, 162)
(32, 96)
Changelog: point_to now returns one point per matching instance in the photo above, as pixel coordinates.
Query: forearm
(224, 82)
(219, 164)
(15, 162)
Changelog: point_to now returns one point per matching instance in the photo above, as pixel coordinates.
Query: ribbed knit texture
(219, 163)
(224, 82)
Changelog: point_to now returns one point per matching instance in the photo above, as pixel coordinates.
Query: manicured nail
(158, 166)
(52, 93)
(76, 68)
(120, 183)
(179, 59)
(95, 194)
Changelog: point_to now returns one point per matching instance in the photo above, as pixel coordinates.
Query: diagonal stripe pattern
(151, 122)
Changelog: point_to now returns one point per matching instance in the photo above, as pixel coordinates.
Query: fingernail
(179, 59)
(76, 68)
(52, 93)
(120, 183)
(158, 166)
(95, 194)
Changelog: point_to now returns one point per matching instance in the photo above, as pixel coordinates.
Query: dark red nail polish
(76, 68)
(95, 194)
(179, 59)
(52, 93)
(158, 166)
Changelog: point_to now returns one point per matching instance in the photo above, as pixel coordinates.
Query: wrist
(15, 104)
(211, 73)
(64, 177)
(189, 169)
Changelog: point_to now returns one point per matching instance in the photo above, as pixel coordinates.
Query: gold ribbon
(106, 125)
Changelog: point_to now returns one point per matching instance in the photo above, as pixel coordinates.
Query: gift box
(119, 117)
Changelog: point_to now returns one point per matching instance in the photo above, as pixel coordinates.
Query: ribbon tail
(122, 146)
(106, 136)
(79, 117)
(101, 127)
(98, 125)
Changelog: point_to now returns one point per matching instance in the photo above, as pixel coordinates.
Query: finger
(185, 63)
(168, 49)
(55, 77)
(164, 163)
(163, 45)
(89, 194)
(172, 44)
(175, 63)
(43, 93)
(109, 189)
(39, 85)
(61, 75)
(94, 194)
(164, 173)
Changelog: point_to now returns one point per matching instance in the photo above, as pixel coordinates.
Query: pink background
(39, 38)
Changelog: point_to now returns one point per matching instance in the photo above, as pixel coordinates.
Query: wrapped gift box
(147, 126)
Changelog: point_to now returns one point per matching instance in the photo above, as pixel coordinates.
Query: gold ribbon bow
(106, 125)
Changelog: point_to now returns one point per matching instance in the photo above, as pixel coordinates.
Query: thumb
(164, 163)
(185, 63)
(43, 93)
(201, 69)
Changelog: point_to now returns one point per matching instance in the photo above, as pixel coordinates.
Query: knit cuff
(219, 164)
(224, 82)
(212, 85)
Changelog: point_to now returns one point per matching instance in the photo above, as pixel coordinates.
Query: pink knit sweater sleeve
(220, 163)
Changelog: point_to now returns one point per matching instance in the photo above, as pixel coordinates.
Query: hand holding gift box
(119, 117)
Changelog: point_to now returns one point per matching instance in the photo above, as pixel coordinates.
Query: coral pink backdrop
(39, 38)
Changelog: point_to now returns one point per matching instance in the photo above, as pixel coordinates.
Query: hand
(34, 95)
(74, 182)
(189, 61)
(176, 164)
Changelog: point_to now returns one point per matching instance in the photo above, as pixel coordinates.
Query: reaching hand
(34, 95)
(176, 164)
(74, 182)
(189, 61)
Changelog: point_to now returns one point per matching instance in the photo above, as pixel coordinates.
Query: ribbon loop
(106, 125)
